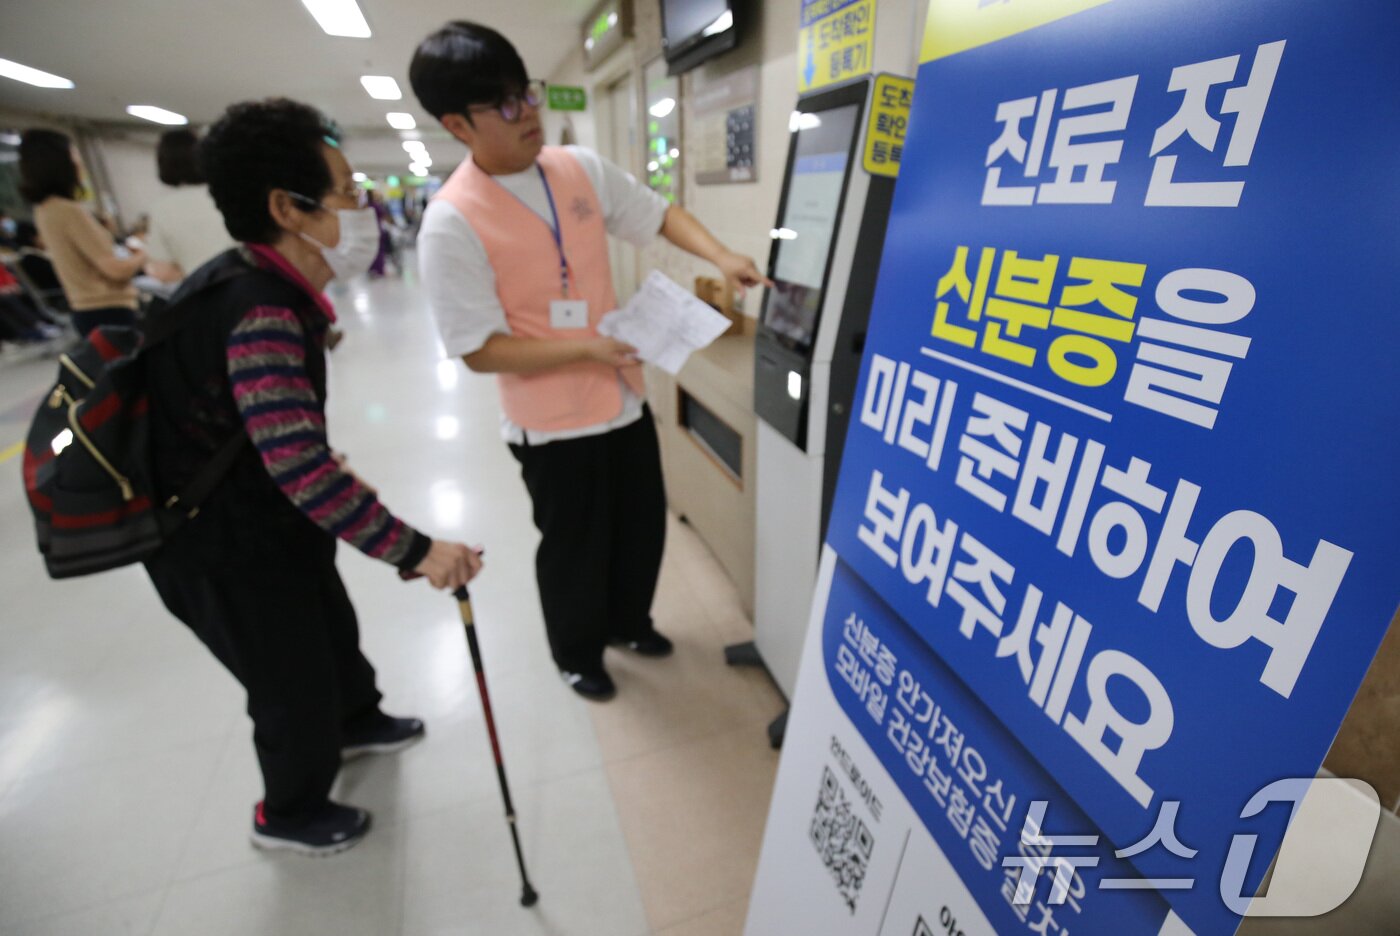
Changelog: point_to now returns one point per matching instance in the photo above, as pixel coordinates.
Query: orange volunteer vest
(521, 250)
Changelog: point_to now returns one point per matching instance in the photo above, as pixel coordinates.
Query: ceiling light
(381, 87)
(359, 177)
(420, 171)
(401, 121)
(157, 115)
(663, 107)
(800, 121)
(783, 234)
(39, 79)
(339, 17)
(11, 139)
(413, 146)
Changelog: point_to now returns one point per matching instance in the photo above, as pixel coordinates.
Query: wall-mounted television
(694, 31)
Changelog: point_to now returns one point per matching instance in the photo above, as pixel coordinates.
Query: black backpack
(87, 459)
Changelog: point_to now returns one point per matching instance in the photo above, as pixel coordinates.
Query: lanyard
(558, 233)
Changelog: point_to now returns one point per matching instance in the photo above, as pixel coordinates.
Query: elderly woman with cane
(252, 572)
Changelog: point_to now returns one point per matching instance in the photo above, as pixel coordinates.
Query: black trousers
(600, 506)
(266, 599)
(88, 319)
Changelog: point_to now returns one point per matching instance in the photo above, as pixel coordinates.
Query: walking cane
(528, 897)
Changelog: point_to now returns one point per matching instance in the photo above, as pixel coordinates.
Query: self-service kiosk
(826, 251)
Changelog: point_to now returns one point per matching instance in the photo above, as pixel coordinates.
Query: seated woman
(38, 268)
(20, 321)
(96, 280)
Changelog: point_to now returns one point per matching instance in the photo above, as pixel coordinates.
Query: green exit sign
(604, 30)
(562, 98)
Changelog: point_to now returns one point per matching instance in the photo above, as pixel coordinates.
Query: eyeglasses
(511, 107)
(354, 193)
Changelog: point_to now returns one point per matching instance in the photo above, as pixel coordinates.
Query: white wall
(740, 215)
(130, 161)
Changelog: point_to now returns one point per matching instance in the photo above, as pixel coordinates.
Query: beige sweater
(75, 241)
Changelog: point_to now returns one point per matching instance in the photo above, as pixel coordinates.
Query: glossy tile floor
(127, 774)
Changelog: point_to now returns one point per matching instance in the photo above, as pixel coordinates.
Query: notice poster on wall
(723, 138)
(1118, 519)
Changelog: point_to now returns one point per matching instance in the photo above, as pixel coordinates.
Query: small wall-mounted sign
(889, 119)
(563, 98)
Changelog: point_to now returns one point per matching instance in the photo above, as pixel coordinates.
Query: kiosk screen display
(803, 241)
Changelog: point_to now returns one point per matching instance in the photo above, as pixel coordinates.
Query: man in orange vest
(514, 256)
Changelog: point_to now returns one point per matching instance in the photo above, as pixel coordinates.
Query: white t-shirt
(461, 285)
(186, 229)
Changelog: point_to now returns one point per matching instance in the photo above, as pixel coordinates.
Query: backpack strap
(188, 501)
(186, 504)
(172, 319)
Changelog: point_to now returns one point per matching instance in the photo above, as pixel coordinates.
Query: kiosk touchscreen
(822, 152)
(827, 243)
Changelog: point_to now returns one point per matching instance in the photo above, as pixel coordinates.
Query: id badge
(568, 313)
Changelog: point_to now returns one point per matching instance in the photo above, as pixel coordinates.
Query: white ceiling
(196, 58)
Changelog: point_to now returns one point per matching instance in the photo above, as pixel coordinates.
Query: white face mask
(358, 244)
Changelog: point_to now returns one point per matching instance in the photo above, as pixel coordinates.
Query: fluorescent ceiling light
(420, 159)
(783, 234)
(400, 121)
(724, 23)
(359, 177)
(420, 171)
(39, 79)
(663, 107)
(339, 17)
(11, 139)
(411, 135)
(381, 87)
(413, 146)
(157, 115)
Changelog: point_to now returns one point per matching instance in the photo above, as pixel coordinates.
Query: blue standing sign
(1120, 489)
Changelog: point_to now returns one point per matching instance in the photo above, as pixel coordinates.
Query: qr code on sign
(841, 838)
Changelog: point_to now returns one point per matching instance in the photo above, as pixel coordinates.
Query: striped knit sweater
(287, 423)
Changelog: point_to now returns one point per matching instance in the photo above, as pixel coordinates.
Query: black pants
(267, 600)
(88, 319)
(600, 507)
